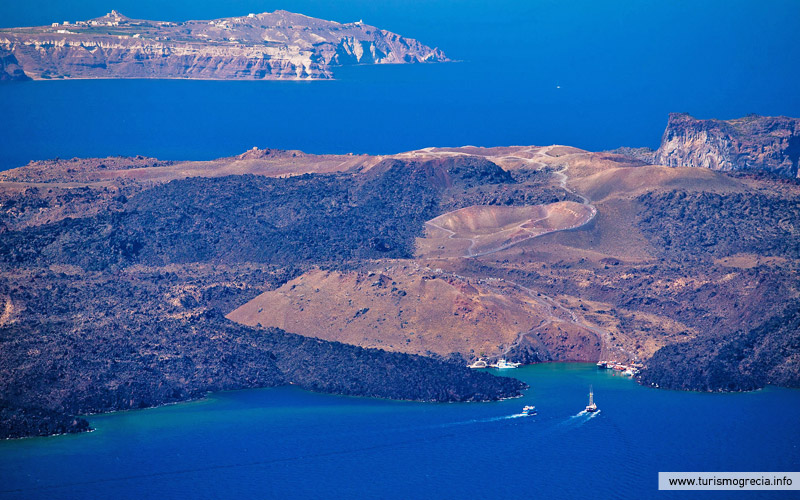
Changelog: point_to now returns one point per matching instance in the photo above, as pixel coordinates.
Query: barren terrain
(528, 253)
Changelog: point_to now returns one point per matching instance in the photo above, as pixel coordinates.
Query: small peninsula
(276, 45)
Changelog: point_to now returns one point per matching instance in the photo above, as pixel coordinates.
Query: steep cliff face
(750, 143)
(10, 69)
(277, 45)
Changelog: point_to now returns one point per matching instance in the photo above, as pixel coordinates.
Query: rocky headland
(753, 143)
(266, 46)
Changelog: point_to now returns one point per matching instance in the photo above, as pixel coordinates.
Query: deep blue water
(621, 67)
(279, 443)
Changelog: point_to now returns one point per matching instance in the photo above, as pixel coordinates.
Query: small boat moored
(529, 410)
(631, 370)
(503, 364)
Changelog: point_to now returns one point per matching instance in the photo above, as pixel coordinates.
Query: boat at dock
(630, 370)
(591, 407)
(503, 364)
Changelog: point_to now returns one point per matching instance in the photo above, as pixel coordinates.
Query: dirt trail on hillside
(485, 230)
(535, 157)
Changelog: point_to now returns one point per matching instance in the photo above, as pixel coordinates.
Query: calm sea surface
(591, 74)
(280, 443)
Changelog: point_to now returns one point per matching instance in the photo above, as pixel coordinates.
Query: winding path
(563, 180)
(555, 312)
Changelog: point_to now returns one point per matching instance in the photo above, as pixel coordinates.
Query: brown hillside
(480, 230)
(417, 310)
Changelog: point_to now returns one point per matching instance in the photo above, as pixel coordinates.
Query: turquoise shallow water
(275, 443)
(595, 75)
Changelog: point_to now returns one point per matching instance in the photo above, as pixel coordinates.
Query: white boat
(503, 364)
(591, 407)
(529, 410)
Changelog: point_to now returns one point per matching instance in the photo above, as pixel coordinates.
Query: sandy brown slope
(481, 230)
(408, 308)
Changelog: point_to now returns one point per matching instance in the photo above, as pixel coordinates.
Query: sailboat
(591, 407)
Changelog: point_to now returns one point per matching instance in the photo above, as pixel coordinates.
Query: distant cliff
(750, 143)
(276, 45)
(10, 69)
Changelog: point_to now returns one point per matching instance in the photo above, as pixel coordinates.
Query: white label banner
(745, 481)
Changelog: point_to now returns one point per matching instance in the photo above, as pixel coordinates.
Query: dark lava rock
(744, 361)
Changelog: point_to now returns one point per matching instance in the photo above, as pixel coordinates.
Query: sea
(595, 75)
(591, 74)
(289, 443)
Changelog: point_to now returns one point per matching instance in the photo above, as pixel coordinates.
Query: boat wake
(483, 420)
(492, 419)
(586, 416)
(579, 418)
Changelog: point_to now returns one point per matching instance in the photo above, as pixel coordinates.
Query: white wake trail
(482, 420)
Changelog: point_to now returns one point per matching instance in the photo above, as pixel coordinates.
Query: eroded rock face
(10, 70)
(277, 45)
(750, 143)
